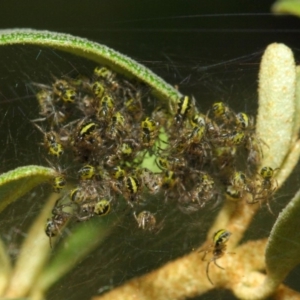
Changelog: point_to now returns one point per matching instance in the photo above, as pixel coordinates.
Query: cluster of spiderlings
(211, 156)
(105, 127)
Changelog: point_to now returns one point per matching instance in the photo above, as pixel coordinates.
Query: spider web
(200, 67)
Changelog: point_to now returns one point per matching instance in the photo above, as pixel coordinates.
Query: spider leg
(53, 235)
(207, 272)
(269, 207)
(204, 255)
(215, 262)
(207, 250)
(50, 242)
(258, 199)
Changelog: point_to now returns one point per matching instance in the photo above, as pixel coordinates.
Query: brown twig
(186, 277)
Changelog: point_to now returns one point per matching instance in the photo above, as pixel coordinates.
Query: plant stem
(186, 276)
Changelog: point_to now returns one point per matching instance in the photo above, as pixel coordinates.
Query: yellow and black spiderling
(149, 132)
(238, 186)
(168, 180)
(118, 173)
(162, 163)
(51, 142)
(104, 73)
(86, 129)
(198, 120)
(102, 207)
(87, 172)
(132, 184)
(132, 188)
(59, 86)
(106, 107)
(264, 187)
(184, 105)
(59, 183)
(125, 150)
(146, 220)
(116, 127)
(98, 89)
(203, 190)
(218, 249)
(56, 223)
(77, 195)
(242, 121)
(222, 113)
(54, 226)
(69, 95)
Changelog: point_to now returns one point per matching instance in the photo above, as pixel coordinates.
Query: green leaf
(19, 181)
(287, 6)
(297, 104)
(93, 51)
(149, 161)
(6, 267)
(277, 89)
(283, 248)
(34, 254)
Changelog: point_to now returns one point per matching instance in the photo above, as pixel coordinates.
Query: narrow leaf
(34, 254)
(93, 51)
(287, 6)
(275, 120)
(19, 181)
(283, 248)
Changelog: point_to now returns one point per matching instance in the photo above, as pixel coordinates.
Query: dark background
(211, 49)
